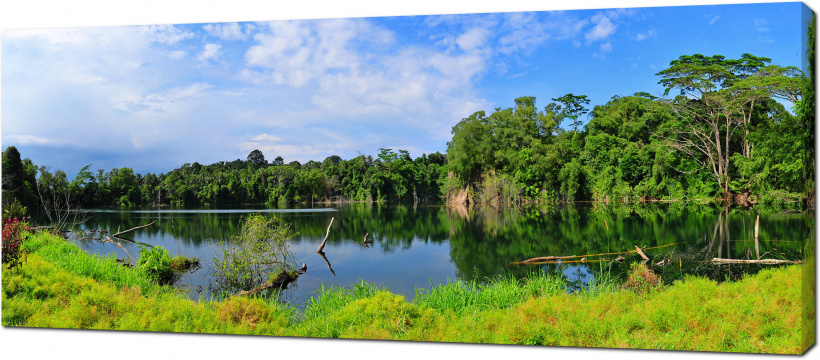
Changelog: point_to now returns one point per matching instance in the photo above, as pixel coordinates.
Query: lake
(430, 245)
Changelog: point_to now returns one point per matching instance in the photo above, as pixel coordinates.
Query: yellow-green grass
(761, 313)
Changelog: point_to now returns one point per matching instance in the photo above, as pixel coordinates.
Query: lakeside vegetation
(57, 287)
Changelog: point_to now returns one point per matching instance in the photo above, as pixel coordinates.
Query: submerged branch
(136, 228)
(760, 261)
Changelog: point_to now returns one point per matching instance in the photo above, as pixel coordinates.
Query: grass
(760, 313)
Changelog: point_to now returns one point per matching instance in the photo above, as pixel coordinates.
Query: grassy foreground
(60, 286)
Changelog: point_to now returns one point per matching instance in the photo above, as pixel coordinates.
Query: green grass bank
(60, 286)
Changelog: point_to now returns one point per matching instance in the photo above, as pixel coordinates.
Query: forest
(720, 133)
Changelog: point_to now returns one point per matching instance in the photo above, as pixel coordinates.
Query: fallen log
(322, 246)
(281, 281)
(132, 229)
(545, 258)
(759, 261)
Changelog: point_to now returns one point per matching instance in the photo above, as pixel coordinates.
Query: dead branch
(365, 241)
(544, 258)
(641, 253)
(109, 240)
(130, 230)
(322, 246)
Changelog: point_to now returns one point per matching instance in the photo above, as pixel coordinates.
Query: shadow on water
(416, 246)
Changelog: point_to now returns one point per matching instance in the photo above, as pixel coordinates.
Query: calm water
(425, 246)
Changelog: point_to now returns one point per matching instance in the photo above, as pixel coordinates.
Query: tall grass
(70, 257)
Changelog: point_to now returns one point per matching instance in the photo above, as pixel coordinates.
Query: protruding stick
(326, 235)
(641, 253)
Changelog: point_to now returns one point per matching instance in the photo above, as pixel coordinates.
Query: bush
(13, 209)
(257, 253)
(12, 239)
(156, 262)
(641, 279)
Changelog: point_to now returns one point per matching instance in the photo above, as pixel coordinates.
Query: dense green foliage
(156, 262)
(393, 176)
(725, 138)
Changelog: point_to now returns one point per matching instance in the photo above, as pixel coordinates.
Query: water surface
(431, 245)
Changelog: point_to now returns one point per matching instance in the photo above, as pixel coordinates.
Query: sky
(154, 97)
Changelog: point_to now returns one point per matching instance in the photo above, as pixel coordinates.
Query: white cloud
(473, 39)
(604, 49)
(295, 52)
(266, 137)
(603, 28)
(523, 32)
(177, 54)
(229, 31)
(760, 25)
(649, 34)
(210, 51)
(26, 139)
(167, 34)
(712, 18)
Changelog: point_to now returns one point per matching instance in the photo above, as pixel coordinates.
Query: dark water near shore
(431, 245)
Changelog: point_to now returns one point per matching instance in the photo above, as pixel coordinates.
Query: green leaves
(156, 262)
(248, 259)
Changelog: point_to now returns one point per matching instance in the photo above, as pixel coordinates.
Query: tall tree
(717, 96)
(572, 107)
(705, 130)
(256, 158)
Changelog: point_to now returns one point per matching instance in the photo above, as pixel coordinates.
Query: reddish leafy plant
(13, 252)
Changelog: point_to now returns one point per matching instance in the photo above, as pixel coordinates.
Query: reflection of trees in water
(689, 233)
(483, 241)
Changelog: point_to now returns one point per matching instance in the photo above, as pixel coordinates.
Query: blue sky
(155, 97)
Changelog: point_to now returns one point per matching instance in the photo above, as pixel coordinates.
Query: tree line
(723, 136)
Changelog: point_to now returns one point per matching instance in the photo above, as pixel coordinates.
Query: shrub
(12, 239)
(13, 209)
(156, 262)
(247, 260)
(641, 279)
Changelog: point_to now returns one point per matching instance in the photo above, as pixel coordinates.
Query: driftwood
(641, 253)
(546, 258)
(132, 229)
(759, 261)
(107, 238)
(282, 280)
(322, 246)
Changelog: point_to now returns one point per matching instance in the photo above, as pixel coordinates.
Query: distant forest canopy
(722, 137)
